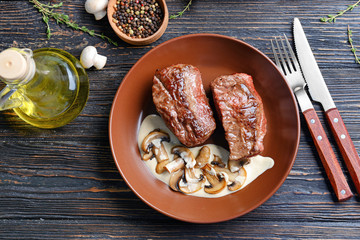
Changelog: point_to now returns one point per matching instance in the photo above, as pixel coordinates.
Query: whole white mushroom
(89, 57)
(96, 7)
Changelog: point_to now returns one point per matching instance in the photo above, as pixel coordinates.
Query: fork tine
(283, 63)
(278, 64)
(292, 54)
(289, 64)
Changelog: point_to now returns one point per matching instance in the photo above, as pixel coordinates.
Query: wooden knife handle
(346, 145)
(327, 156)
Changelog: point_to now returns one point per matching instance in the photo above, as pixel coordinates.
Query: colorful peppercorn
(138, 18)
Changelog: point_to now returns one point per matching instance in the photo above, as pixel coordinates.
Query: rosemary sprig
(353, 49)
(179, 14)
(47, 12)
(332, 18)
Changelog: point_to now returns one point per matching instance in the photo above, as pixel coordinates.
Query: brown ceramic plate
(214, 55)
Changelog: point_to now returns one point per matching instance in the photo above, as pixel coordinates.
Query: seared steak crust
(180, 99)
(241, 112)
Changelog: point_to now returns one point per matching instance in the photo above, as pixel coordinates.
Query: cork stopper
(13, 65)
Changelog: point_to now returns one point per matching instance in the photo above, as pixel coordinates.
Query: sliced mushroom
(236, 165)
(216, 180)
(239, 180)
(147, 156)
(190, 182)
(160, 166)
(217, 161)
(175, 178)
(153, 146)
(235, 179)
(203, 157)
(176, 164)
(185, 154)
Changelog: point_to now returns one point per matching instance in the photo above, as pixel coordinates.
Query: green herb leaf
(332, 18)
(353, 49)
(179, 14)
(47, 11)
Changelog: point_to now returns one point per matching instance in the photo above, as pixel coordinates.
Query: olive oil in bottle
(47, 88)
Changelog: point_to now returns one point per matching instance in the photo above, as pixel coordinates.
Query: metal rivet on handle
(312, 121)
(342, 136)
(343, 192)
(336, 120)
(319, 138)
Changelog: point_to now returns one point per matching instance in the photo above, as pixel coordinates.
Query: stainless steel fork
(288, 65)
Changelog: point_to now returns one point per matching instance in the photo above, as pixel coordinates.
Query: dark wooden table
(63, 183)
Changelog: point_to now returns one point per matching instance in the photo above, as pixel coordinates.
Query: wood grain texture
(63, 183)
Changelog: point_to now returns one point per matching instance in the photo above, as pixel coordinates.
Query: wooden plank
(63, 183)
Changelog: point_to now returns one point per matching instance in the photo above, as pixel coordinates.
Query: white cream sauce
(256, 166)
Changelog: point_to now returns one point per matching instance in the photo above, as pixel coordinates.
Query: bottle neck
(17, 66)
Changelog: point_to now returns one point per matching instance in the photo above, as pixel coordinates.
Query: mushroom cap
(188, 188)
(153, 143)
(93, 6)
(236, 165)
(231, 175)
(203, 157)
(154, 138)
(239, 180)
(185, 154)
(191, 176)
(190, 182)
(217, 182)
(236, 179)
(217, 161)
(175, 178)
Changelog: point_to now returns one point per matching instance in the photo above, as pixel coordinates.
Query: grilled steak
(180, 99)
(241, 112)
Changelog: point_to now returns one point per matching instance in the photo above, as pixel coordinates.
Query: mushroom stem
(185, 154)
(153, 142)
(99, 61)
(190, 183)
(176, 164)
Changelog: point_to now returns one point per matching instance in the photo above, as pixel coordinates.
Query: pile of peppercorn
(138, 18)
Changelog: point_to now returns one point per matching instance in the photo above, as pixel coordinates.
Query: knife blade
(313, 77)
(320, 93)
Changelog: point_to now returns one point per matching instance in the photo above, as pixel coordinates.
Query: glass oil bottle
(47, 88)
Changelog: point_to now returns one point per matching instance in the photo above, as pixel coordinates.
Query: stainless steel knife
(320, 93)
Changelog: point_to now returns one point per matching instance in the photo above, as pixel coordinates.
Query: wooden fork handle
(346, 145)
(327, 156)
